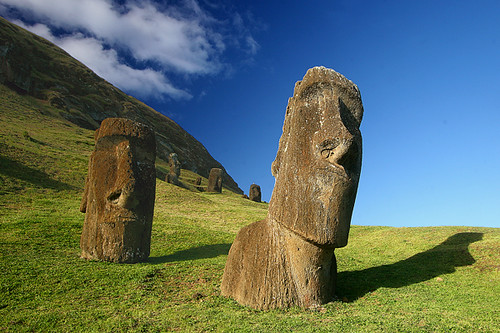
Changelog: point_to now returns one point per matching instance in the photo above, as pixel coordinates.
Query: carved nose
(345, 155)
(348, 156)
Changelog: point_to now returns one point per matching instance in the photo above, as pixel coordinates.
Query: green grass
(433, 279)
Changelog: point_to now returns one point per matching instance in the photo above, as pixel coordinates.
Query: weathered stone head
(254, 194)
(289, 258)
(175, 169)
(119, 193)
(318, 163)
(174, 164)
(215, 180)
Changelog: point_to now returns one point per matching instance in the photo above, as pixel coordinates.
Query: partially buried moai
(119, 196)
(254, 193)
(215, 180)
(288, 259)
(175, 169)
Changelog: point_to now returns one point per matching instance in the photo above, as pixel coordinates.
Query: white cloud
(182, 40)
(105, 63)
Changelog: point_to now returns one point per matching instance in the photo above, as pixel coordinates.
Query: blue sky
(428, 72)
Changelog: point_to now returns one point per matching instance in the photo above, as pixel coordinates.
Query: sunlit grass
(435, 279)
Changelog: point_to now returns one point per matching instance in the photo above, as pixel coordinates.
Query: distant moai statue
(215, 180)
(254, 193)
(175, 169)
(197, 181)
(119, 195)
(288, 259)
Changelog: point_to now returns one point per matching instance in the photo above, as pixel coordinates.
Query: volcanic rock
(215, 180)
(288, 259)
(254, 193)
(175, 169)
(119, 195)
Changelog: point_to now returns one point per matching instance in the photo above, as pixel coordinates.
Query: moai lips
(118, 201)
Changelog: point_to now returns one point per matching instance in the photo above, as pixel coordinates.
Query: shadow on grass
(14, 169)
(200, 252)
(441, 259)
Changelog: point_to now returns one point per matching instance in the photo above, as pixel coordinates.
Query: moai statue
(119, 196)
(197, 181)
(175, 169)
(254, 193)
(215, 180)
(288, 258)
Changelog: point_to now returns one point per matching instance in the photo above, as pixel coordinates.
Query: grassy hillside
(34, 67)
(392, 279)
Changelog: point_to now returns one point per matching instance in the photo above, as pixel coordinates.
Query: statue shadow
(14, 169)
(200, 252)
(441, 259)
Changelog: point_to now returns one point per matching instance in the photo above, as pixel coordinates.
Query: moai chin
(288, 259)
(254, 194)
(119, 195)
(215, 180)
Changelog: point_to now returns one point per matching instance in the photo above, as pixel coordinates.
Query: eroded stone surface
(254, 193)
(119, 196)
(175, 169)
(288, 258)
(215, 180)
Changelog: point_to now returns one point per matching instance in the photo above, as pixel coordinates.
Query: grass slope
(393, 279)
(35, 67)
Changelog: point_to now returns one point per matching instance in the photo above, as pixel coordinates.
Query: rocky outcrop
(32, 65)
(288, 258)
(119, 195)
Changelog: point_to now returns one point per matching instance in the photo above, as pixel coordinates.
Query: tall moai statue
(175, 169)
(215, 180)
(288, 259)
(119, 195)
(254, 193)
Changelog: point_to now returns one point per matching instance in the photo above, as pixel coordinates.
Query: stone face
(254, 193)
(119, 195)
(288, 258)
(215, 180)
(175, 169)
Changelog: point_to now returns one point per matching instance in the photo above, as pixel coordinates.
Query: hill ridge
(31, 65)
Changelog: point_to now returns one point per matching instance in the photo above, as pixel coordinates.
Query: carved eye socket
(114, 196)
(327, 147)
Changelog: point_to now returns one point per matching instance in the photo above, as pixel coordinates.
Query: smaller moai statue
(197, 182)
(175, 169)
(215, 180)
(254, 193)
(119, 195)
